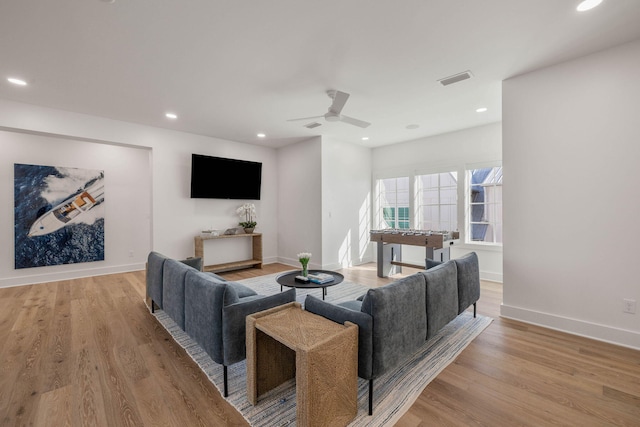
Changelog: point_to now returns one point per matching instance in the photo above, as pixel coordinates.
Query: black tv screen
(220, 178)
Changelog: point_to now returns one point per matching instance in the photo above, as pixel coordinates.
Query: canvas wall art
(58, 215)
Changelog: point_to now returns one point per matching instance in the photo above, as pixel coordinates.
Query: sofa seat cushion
(442, 296)
(242, 290)
(354, 305)
(249, 298)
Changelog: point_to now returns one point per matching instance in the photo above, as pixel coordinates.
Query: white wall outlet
(130, 254)
(629, 306)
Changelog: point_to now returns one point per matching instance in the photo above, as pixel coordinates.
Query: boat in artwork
(70, 211)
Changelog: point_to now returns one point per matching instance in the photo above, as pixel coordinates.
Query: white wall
(346, 204)
(300, 202)
(127, 207)
(176, 218)
(455, 151)
(571, 152)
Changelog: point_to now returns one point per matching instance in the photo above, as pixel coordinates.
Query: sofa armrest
(340, 315)
(155, 266)
(234, 322)
(468, 281)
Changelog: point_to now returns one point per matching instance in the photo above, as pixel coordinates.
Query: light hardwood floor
(88, 352)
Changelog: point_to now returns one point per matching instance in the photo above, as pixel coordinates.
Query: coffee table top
(289, 279)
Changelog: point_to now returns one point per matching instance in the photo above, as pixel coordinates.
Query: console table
(256, 257)
(287, 342)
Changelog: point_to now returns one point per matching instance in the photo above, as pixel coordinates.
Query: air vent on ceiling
(456, 78)
(313, 125)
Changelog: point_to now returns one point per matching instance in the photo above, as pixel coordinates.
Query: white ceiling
(231, 69)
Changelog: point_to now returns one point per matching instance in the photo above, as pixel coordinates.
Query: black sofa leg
(474, 309)
(153, 310)
(371, 396)
(224, 374)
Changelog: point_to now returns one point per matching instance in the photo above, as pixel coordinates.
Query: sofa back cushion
(173, 279)
(155, 265)
(468, 281)
(442, 296)
(399, 321)
(204, 300)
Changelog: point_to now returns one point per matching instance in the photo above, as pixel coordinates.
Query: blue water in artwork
(38, 190)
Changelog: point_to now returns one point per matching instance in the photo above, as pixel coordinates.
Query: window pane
(393, 203)
(449, 196)
(485, 205)
(430, 197)
(438, 201)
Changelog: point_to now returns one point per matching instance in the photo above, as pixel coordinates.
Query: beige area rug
(394, 392)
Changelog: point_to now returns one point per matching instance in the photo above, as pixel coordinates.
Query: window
(393, 203)
(484, 215)
(437, 201)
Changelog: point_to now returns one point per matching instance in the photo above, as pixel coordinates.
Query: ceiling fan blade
(355, 122)
(339, 99)
(305, 118)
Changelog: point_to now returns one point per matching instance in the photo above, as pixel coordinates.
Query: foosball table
(390, 241)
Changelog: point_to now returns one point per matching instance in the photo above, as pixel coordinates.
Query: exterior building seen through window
(393, 203)
(484, 214)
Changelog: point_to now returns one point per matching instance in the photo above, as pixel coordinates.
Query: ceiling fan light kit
(333, 113)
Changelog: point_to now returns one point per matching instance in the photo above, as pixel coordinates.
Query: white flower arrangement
(304, 257)
(248, 213)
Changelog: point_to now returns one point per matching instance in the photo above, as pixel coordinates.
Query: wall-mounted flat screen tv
(220, 178)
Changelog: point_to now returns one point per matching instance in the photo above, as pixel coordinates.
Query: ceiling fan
(333, 114)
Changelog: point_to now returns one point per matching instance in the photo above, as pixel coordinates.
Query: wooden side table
(286, 342)
(256, 252)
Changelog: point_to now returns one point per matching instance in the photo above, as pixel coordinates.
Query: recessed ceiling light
(481, 110)
(365, 138)
(261, 135)
(171, 116)
(588, 5)
(16, 81)
(413, 126)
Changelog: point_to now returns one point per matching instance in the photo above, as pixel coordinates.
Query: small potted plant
(247, 212)
(304, 258)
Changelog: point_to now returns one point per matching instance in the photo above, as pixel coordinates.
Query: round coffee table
(289, 280)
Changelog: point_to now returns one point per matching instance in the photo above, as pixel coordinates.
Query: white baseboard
(270, 260)
(492, 277)
(622, 337)
(294, 263)
(68, 274)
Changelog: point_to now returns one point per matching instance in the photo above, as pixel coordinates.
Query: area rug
(393, 394)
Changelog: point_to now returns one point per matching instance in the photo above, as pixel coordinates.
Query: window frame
(495, 221)
(420, 204)
(380, 221)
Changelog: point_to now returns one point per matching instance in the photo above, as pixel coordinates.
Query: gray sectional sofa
(208, 308)
(396, 319)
